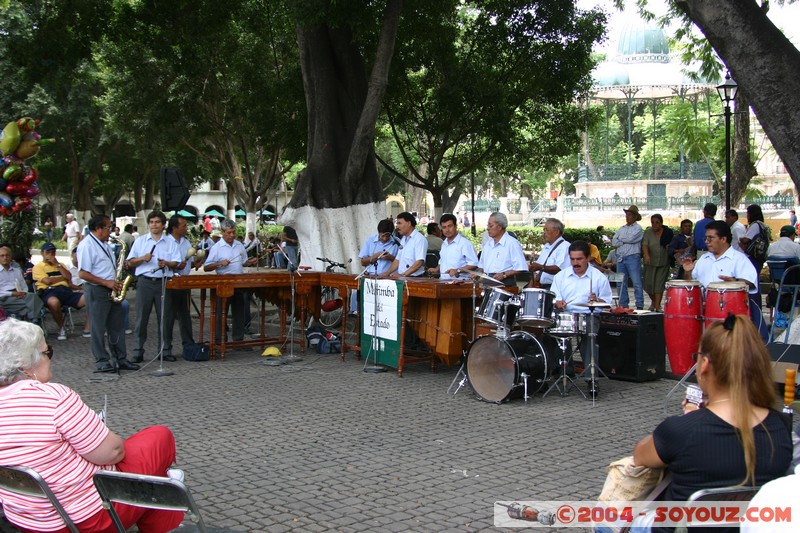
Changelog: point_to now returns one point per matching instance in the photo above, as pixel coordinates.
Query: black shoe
(170, 358)
(105, 369)
(136, 359)
(127, 365)
(594, 392)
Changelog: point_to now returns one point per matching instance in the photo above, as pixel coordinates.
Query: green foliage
(17, 231)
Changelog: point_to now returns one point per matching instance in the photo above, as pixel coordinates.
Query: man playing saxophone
(98, 269)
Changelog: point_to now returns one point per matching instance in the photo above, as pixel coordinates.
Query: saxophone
(118, 297)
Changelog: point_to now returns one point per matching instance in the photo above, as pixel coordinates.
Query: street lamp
(727, 92)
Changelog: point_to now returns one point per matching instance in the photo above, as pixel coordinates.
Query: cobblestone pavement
(320, 445)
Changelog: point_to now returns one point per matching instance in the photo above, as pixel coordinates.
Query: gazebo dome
(643, 41)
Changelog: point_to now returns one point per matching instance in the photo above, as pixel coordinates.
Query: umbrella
(214, 213)
(265, 212)
(241, 213)
(186, 214)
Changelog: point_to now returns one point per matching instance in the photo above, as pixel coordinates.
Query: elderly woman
(737, 438)
(656, 260)
(47, 427)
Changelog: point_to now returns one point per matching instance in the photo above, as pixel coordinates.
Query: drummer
(457, 251)
(723, 263)
(502, 257)
(581, 285)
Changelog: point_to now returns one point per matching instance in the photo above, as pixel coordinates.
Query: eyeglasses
(709, 238)
(697, 355)
(48, 352)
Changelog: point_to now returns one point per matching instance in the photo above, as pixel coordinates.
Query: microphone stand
(292, 268)
(161, 372)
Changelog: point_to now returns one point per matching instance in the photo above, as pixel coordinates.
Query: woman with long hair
(737, 439)
(656, 260)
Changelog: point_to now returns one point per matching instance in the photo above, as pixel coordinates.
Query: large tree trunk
(338, 199)
(742, 166)
(764, 64)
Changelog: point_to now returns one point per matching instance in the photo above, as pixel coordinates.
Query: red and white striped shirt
(47, 427)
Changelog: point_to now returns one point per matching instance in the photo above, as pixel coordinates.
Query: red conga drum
(723, 297)
(683, 322)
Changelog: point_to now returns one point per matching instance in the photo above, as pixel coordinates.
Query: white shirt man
(737, 228)
(555, 253)
(785, 247)
(502, 256)
(722, 262)
(410, 259)
(72, 232)
(457, 251)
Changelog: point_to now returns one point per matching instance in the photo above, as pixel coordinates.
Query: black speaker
(174, 193)
(632, 347)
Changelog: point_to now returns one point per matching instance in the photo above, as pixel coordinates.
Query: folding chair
(721, 494)
(786, 272)
(25, 481)
(151, 492)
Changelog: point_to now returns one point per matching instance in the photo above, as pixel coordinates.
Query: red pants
(150, 451)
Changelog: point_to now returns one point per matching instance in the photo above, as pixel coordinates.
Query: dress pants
(26, 308)
(148, 294)
(236, 305)
(106, 317)
(176, 305)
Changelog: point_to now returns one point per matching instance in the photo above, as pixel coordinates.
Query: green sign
(381, 310)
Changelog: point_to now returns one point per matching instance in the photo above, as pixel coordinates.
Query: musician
(581, 284)
(228, 256)
(98, 270)
(154, 257)
(410, 260)
(176, 301)
(722, 263)
(502, 257)
(291, 244)
(379, 250)
(457, 251)
(53, 286)
(556, 257)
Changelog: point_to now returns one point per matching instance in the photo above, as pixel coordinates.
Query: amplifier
(632, 347)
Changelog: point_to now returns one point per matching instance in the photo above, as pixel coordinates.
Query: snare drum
(536, 308)
(683, 322)
(498, 307)
(723, 297)
(568, 324)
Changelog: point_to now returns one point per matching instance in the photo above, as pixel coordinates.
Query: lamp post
(727, 93)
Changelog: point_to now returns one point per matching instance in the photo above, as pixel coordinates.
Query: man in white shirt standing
(457, 251)
(554, 256)
(72, 232)
(176, 303)
(153, 257)
(410, 260)
(502, 257)
(737, 228)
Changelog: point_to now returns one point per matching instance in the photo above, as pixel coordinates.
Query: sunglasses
(48, 352)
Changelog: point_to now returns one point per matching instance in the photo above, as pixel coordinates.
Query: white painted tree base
(337, 234)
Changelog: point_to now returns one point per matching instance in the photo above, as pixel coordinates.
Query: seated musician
(457, 251)
(581, 284)
(723, 263)
(410, 260)
(502, 257)
(737, 438)
(48, 428)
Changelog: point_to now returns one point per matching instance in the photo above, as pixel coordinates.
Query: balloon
(12, 172)
(26, 149)
(16, 188)
(3, 184)
(31, 191)
(31, 175)
(9, 138)
(27, 124)
(26, 208)
(5, 200)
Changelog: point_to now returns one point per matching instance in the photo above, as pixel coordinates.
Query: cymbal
(484, 276)
(593, 304)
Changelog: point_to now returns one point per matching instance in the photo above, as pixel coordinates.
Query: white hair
(19, 349)
(500, 219)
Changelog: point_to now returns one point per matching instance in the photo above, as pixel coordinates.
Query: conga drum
(723, 297)
(683, 322)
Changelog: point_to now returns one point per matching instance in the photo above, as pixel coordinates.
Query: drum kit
(511, 363)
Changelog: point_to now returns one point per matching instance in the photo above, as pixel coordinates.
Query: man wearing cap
(785, 247)
(628, 242)
(53, 286)
(71, 232)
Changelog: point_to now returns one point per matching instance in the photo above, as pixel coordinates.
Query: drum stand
(681, 383)
(561, 382)
(594, 367)
(462, 374)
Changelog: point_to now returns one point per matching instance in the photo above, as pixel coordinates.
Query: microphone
(397, 242)
(156, 270)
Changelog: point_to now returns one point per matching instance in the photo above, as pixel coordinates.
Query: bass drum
(495, 366)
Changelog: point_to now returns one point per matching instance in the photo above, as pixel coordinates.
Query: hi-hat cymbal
(593, 304)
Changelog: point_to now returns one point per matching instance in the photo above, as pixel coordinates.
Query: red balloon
(16, 188)
(16, 208)
(31, 176)
(31, 191)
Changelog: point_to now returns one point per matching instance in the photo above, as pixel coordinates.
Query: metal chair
(26, 482)
(151, 492)
(785, 272)
(721, 494)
